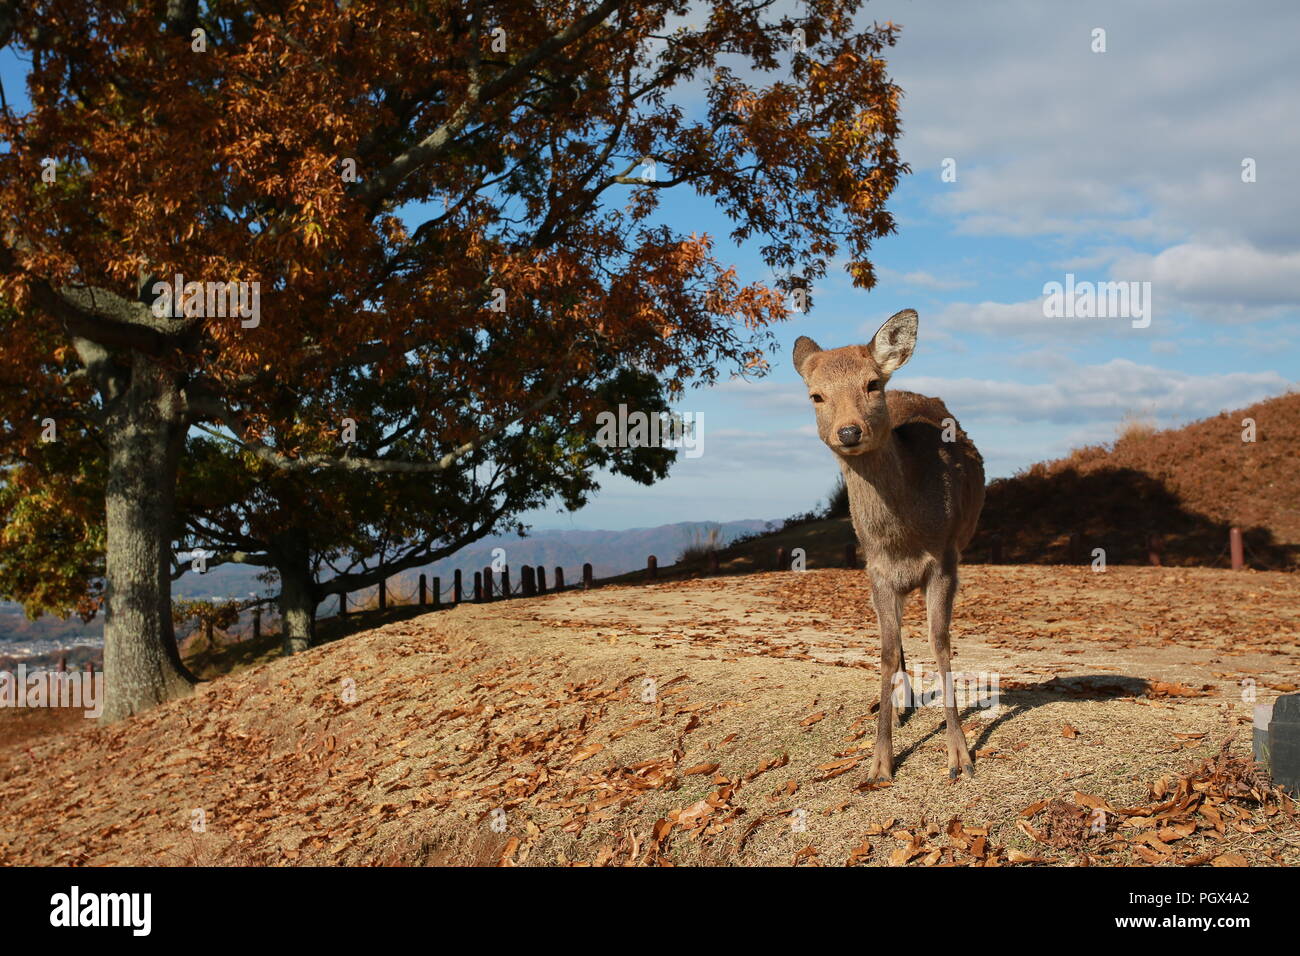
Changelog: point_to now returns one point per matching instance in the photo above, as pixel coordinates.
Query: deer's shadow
(1019, 698)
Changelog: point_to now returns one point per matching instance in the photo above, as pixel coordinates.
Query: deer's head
(847, 385)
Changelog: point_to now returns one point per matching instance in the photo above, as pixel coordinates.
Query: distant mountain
(609, 552)
(23, 638)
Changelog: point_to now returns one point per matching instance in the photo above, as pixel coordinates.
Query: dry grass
(539, 708)
(701, 546)
(1135, 428)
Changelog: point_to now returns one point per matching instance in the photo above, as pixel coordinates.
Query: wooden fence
(489, 585)
(493, 585)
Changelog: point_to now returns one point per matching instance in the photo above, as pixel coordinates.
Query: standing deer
(916, 486)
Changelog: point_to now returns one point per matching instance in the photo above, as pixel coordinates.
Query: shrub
(701, 546)
(837, 502)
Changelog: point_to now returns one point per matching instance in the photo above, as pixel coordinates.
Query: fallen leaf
(700, 768)
(588, 751)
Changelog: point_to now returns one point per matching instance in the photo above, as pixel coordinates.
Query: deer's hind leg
(940, 592)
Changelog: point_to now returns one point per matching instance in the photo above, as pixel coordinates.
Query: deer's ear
(894, 342)
(803, 348)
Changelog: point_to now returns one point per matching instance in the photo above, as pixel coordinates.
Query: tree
(322, 534)
(375, 180)
(338, 532)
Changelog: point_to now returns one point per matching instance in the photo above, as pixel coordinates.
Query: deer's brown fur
(916, 487)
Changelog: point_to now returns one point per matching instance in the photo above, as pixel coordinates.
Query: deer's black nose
(850, 435)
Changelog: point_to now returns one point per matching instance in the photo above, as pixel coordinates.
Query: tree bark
(298, 597)
(298, 609)
(142, 667)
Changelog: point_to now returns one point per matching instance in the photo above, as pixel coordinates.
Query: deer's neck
(878, 489)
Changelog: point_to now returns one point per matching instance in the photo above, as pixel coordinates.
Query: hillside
(725, 721)
(1188, 484)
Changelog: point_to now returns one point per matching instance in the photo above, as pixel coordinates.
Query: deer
(916, 487)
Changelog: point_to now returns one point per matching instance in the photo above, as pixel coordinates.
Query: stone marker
(1263, 714)
(1284, 743)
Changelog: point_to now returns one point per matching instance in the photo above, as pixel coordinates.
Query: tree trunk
(298, 601)
(142, 667)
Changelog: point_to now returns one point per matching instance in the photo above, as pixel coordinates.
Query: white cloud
(920, 279)
(1101, 393)
(992, 317)
(1145, 140)
(1234, 280)
(1017, 321)
(765, 395)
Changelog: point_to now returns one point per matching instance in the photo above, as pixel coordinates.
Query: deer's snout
(849, 435)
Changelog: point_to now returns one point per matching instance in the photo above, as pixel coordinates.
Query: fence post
(850, 555)
(343, 604)
(257, 623)
(1235, 547)
(457, 591)
(1155, 548)
(587, 576)
(651, 567)
(423, 592)
(995, 549)
(207, 632)
(782, 558)
(528, 580)
(559, 578)
(505, 581)
(383, 595)
(437, 593)
(1076, 548)
(487, 583)
(541, 579)
(478, 587)
(713, 562)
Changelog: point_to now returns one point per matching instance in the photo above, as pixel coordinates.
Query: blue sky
(1117, 165)
(1122, 165)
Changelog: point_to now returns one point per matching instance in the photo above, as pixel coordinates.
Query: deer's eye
(873, 385)
(817, 399)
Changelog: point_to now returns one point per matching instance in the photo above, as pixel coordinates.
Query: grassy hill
(760, 716)
(1189, 485)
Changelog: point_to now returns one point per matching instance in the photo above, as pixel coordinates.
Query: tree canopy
(456, 194)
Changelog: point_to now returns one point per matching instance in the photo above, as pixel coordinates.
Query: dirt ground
(715, 721)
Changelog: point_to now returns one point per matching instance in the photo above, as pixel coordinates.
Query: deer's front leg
(889, 614)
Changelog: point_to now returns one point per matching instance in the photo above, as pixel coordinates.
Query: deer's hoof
(953, 773)
(970, 771)
(880, 774)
